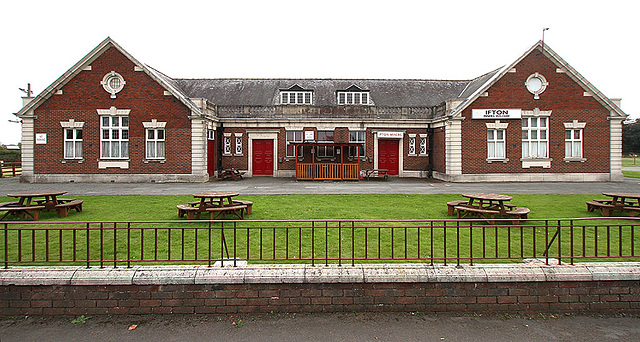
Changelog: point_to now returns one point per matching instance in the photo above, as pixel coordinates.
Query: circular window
(536, 84)
(113, 83)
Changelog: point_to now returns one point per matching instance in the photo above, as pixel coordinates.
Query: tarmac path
(277, 186)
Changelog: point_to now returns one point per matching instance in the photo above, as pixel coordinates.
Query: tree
(631, 138)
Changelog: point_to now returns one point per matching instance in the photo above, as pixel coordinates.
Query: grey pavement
(274, 186)
(325, 327)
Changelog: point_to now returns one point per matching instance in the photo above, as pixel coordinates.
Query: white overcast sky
(318, 39)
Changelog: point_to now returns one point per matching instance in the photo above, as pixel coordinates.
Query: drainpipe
(430, 151)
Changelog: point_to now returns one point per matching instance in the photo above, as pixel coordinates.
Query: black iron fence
(341, 242)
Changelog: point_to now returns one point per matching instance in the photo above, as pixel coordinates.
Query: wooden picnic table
(488, 201)
(30, 203)
(231, 173)
(383, 173)
(488, 206)
(620, 201)
(218, 203)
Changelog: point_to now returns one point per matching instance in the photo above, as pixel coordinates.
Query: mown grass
(371, 240)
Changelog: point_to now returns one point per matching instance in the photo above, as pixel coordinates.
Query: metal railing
(328, 171)
(316, 241)
(10, 169)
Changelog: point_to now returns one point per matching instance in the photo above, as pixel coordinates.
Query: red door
(263, 157)
(211, 157)
(388, 155)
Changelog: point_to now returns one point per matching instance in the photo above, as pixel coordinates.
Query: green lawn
(404, 241)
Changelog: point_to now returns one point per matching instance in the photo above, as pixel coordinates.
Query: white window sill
(544, 163)
(72, 160)
(115, 163)
(161, 161)
(497, 160)
(575, 159)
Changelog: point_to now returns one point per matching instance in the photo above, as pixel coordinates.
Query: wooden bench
(633, 211)
(249, 205)
(66, 206)
(451, 206)
(605, 209)
(464, 211)
(518, 213)
(190, 211)
(237, 210)
(231, 173)
(378, 173)
(30, 211)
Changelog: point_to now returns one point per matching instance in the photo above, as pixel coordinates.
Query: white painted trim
(154, 124)
(524, 177)
(615, 150)
(113, 111)
(262, 135)
(104, 164)
(71, 124)
(453, 150)
(574, 125)
(198, 145)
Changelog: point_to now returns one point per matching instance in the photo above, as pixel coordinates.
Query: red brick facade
(84, 94)
(564, 97)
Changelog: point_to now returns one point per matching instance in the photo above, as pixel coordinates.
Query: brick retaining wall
(587, 288)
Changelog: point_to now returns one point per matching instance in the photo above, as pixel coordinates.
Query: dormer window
(353, 96)
(296, 95)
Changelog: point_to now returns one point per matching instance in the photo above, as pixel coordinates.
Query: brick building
(112, 118)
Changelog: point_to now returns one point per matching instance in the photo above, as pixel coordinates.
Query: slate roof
(265, 92)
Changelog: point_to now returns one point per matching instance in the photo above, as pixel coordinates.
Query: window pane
(68, 149)
(124, 152)
(543, 122)
(543, 135)
(349, 98)
(161, 149)
(150, 150)
(105, 121)
(490, 134)
(500, 134)
(534, 134)
(576, 134)
(125, 121)
(577, 150)
(543, 149)
(525, 135)
(115, 149)
(534, 122)
(567, 134)
(150, 134)
(525, 149)
(285, 98)
(105, 149)
(69, 133)
(491, 147)
(307, 98)
(161, 134)
(341, 98)
(356, 98)
(125, 134)
(78, 149)
(365, 98)
(500, 150)
(525, 122)
(78, 134)
(115, 134)
(300, 98)
(567, 149)
(115, 121)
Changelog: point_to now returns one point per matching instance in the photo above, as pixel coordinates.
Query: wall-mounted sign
(490, 114)
(390, 135)
(308, 136)
(41, 138)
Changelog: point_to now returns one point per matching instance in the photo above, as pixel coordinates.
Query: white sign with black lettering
(41, 138)
(492, 114)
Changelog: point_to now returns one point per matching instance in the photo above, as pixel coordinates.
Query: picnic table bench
(237, 210)
(231, 173)
(378, 173)
(31, 211)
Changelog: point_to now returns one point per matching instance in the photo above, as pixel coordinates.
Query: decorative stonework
(113, 83)
(536, 84)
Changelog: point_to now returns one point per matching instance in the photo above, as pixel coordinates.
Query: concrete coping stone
(295, 273)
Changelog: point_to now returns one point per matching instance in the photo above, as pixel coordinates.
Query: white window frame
(296, 97)
(535, 137)
(325, 151)
(114, 131)
(572, 143)
(357, 137)
(423, 145)
(226, 144)
(73, 144)
(294, 137)
(238, 144)
(353, 98)
(495, 144)
(412, 145)
(155, 143)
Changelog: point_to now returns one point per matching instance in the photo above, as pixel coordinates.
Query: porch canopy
(327, 161)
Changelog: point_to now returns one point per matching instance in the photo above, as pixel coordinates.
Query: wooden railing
(10, 169)
(327, 171)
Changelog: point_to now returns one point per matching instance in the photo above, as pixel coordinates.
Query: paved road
(273, 186)
(325, 327)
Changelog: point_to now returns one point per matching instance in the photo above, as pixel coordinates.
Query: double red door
(263, 157)
(388, 155)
